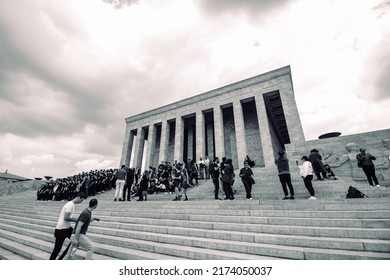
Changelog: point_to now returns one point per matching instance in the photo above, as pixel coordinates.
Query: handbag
(252, 180)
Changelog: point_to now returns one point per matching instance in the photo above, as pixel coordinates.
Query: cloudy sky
(72, 71)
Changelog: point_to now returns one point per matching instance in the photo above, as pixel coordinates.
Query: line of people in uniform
(91, 183)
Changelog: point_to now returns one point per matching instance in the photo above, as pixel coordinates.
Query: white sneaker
(378, 185)
(312, 198)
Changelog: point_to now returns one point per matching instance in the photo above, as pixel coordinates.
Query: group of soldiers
(90, 183)
(98, 181)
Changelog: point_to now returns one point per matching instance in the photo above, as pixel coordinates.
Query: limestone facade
(256, 117)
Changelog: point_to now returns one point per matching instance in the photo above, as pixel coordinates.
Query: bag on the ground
(354, 193)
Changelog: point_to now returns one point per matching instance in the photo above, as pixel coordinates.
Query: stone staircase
(266, 227)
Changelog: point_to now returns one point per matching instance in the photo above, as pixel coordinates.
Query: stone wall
(17, 187)
(342, 157)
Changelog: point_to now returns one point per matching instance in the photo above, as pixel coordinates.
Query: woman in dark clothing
(284, 174)
(143, 186)
(247, 179)
(228, 179)
(365, 162)
(318, 167)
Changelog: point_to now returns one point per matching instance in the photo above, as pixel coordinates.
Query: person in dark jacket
(227, 179)
(284, 174)
(143, 186)
(246, 174)
(329, 173)
(318, 167)
(365, 162)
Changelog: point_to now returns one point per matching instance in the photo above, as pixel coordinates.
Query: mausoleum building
(256, 117)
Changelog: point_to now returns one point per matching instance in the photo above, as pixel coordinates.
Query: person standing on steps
(246, 174)
(120, 183)
(215, 170)
(129, 183)
(284, 174)
(365, 162)
(63, 229)
(79, 238)
(185, 183)
(318, 167)
(207, 167)
(228, 179)
(143, 186)
(306, 172)
(181, 181)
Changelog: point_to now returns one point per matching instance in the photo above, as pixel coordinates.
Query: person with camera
(365, 161)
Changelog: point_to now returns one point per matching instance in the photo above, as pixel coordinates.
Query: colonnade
(233, 121)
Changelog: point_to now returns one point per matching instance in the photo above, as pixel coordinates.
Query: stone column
(164, 141)
(139, 147)
(293, 120)
(239, 126)
(200, 136)
(127, 147)
(150, 145)
(218, 132)
(265, 134)
(179, 138)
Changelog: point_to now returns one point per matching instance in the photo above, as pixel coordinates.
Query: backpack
(354, 193)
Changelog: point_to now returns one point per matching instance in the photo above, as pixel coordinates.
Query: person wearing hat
(306, 172)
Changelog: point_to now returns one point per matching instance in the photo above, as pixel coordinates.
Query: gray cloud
(252, 8)
(118, 4)
(376, 85)
(23, 61)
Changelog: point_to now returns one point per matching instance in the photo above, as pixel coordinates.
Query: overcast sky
(72, 71)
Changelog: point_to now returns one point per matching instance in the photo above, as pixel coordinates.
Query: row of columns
(137, 147)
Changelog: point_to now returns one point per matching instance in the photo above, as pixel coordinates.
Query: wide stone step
(328, 228)
(9, 255)
(42, 245)
(223, 207)
(208, 222)
(144, 232)
(125, 239)
(113, 247)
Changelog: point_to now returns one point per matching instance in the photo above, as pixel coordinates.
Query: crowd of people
(91, 183)
(311, 165)
(175, 178)
(178, 177)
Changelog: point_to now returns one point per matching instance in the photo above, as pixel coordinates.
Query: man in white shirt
(207, 167)
(201, 168)
(63, 229)
(306, 172)
(121, 175)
